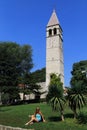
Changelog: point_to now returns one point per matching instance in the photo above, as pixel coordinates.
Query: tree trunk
(75, 114)
(62, 117)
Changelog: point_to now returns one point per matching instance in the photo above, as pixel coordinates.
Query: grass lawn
(17, 116)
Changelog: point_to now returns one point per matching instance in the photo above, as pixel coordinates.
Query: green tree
(31, 80)
(55, 95)
(77, 97)
(78, 92)
(37, 76)
(15, 62)
(26, 63)
(79, 73)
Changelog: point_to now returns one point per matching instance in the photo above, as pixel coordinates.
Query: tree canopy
(37, 76)
(15, 63)
(79, 73)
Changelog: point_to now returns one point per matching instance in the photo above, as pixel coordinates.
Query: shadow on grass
(82, 118)
(54, 118)
(68, 115)
(58, 118)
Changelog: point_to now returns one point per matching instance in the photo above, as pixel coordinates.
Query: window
(50, 32)
(55, 31)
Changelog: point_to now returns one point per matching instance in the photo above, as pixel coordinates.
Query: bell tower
(54, 49)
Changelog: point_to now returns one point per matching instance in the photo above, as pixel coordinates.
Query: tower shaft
(54, 49)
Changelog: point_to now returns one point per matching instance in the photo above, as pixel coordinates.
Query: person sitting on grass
(37, 117)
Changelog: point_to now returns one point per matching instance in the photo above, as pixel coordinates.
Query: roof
(53, 19)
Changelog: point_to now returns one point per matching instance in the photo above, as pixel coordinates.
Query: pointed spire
(53, 19)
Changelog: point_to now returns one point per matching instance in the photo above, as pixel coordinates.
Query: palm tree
(55, 95)
(77, 96)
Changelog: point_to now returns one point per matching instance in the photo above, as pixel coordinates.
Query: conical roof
(53, 19)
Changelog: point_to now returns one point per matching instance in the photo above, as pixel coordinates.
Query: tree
(37, 76)
(79, 72)
(55, 95)
(15, 63)
(31, 81)
(78, 92)
(26, 63)
(36, 90)
(77, 97)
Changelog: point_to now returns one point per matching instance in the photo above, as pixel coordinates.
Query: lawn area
(17, 116)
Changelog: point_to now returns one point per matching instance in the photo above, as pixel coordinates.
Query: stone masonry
(2, 127)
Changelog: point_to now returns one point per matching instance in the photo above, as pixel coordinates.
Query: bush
(82, 118)
(5, 98)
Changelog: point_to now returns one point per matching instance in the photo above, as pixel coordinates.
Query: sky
(25, 21)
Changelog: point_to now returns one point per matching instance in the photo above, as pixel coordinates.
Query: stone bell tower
(54, 49)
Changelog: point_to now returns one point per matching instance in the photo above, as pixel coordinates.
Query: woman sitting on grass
(37, 117)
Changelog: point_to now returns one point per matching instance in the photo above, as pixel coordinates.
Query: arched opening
(50, 32)
(55, 31)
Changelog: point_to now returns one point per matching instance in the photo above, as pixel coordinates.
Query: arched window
(50, 32)
(55, 31)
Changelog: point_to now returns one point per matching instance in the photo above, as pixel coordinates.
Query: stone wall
(2, 127)
(43, 89)
(32, 96)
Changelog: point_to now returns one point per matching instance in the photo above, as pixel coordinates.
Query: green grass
(17, 116)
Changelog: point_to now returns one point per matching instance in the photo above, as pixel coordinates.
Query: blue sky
(24, 21)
